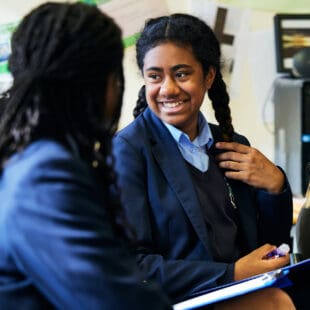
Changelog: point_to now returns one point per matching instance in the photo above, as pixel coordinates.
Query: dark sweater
(219, 214)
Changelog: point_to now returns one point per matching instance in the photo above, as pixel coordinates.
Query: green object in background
(129, 41)
(6, 31)
(279, 6)
(96, 2)
(4, 67)
(7, 28)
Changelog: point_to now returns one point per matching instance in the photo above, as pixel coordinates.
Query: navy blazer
(163, 207)
(57, 247)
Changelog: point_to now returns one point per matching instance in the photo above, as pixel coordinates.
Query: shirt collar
(204, 136)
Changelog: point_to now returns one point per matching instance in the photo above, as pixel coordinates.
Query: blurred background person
(63, 234)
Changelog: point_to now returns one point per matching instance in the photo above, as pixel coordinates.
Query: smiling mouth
(171, 104)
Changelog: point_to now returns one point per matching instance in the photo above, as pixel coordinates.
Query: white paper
(131, 14)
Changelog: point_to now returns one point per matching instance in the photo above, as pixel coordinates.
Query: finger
(232, 165)
(235, 175)
(277, 262)
(243, 176)
(232, 156)
(265, 248)
(233, 146)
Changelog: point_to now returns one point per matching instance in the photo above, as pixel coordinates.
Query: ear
(210, 77)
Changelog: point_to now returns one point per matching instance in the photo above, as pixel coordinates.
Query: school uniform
(178, 227)
(57, 247)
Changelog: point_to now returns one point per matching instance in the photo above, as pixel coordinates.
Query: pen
(280, 251)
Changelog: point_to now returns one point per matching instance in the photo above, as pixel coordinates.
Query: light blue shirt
(194, 151)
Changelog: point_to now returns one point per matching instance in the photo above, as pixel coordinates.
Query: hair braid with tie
(62, 57)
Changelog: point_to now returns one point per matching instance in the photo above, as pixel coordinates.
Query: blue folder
(283, 277)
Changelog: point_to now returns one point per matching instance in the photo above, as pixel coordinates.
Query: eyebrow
(174, 68)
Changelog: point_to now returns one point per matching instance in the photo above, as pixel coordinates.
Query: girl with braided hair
(63, 234)
(206, 206)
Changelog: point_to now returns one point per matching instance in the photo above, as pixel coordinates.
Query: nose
(169, 88)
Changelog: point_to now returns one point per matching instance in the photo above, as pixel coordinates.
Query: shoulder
(137, 134)
(39, 151)
(136, 127)
(146, 128)
(42, 161)
(44, 181)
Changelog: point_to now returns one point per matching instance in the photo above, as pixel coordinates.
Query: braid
(62, 55)
(141, 102)
(220, 103)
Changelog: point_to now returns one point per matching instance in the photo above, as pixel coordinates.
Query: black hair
(62, 56)
(188, 31)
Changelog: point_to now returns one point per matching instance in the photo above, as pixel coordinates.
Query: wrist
(278, 185)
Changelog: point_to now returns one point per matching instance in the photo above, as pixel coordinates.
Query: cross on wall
(219, 27)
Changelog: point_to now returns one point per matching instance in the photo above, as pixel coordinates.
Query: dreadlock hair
(62, 56)
(188, 31)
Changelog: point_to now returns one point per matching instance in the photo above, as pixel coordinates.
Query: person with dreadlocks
(206, 205)
(63, 235)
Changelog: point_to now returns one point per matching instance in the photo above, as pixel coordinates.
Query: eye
(182, 75)
(153, 77)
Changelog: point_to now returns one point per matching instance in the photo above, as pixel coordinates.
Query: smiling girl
(198, 225)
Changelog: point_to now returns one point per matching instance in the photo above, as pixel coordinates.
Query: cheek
(151, 92)
(198, 90)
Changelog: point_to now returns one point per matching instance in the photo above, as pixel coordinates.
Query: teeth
(172, 104)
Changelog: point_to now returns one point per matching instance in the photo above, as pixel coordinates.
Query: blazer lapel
(176, 172)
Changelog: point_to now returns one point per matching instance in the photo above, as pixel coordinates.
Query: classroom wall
(246, 105)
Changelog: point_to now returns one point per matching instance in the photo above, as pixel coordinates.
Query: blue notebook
(281, 278)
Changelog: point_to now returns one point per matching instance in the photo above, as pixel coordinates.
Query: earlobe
(210, 77)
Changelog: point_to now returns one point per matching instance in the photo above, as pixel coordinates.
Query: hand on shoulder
(249, 165)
